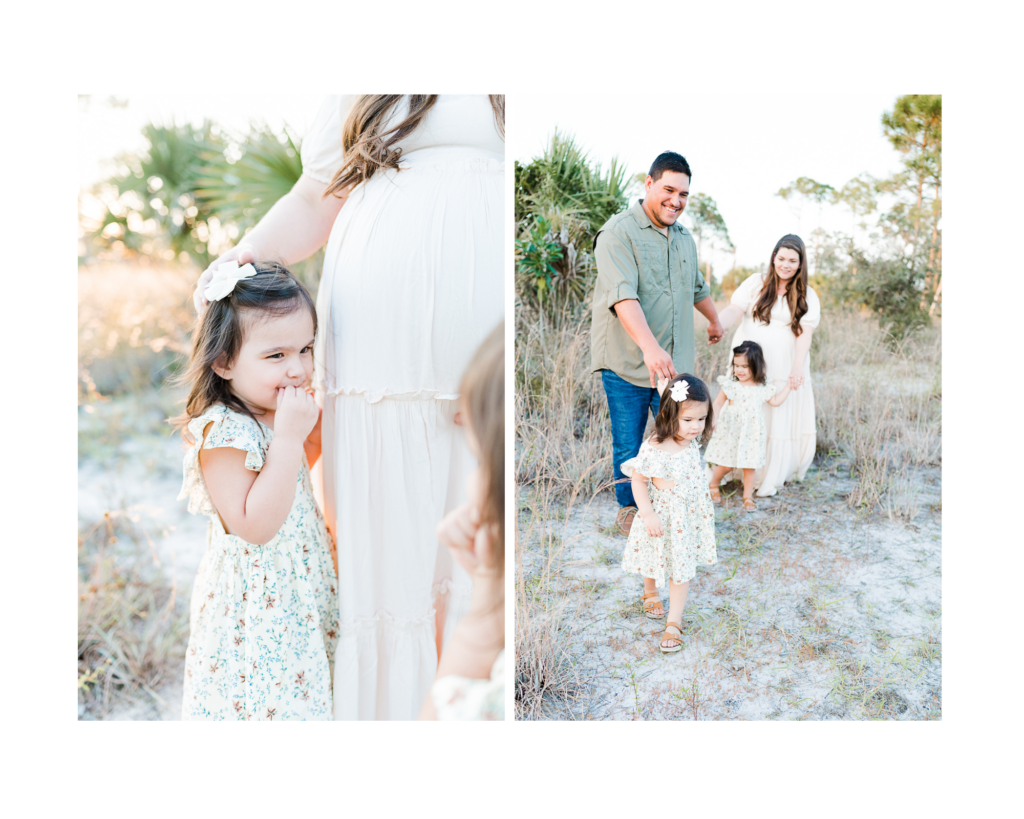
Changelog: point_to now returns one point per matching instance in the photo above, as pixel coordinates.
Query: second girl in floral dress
(674, 529)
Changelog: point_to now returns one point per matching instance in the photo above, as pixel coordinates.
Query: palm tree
(561, 201)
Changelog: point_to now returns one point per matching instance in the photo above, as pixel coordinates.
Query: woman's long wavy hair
(220, 333)
(666, 422)
(796, 293)
(483, 400)
(368, 148)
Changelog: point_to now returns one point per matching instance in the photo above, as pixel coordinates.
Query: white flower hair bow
(679, 390)
(225, 279)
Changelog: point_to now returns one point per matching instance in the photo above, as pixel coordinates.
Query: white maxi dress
(790, 426)
(412, 283)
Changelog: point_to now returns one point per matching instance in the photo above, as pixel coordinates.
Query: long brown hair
(796, 293)
(220, 333)
(483, 397)
(666, 422)
(367, 148)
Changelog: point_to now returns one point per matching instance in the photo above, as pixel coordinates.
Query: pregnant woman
(780, 311)
(407, 192)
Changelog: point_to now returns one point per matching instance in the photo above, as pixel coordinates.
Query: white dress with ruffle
(686, 513)
(263, 618)
(413, 281)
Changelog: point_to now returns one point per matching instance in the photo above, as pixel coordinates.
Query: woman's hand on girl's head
(242, 253)
(297, 414)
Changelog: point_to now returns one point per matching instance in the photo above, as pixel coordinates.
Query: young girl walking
(741, 437)
(264, 611)
(674, 529)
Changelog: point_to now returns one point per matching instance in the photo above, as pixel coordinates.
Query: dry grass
(763, 626)
(132, 623)
(133, 321)
(132, 620)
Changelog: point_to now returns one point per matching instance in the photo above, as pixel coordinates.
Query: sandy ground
(143, 477)
(813, 611)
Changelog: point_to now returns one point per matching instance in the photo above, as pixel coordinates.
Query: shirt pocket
(683, 268)
(653, 270)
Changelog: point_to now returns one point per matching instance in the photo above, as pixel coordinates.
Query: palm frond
(242, 190)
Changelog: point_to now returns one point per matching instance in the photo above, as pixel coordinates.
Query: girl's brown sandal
(677, 638)
(653, 609)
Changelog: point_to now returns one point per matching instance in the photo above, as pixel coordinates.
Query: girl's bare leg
(676, 603)
(650, 587)
(748, 483)
(718, 473)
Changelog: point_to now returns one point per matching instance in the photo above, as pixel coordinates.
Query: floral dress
(741, 436)
(686, 513)
(462, 698)
(264, 619)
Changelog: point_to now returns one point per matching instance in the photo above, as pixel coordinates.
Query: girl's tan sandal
(716, 494)
(677, 637)
(749, 505)
(653, 608)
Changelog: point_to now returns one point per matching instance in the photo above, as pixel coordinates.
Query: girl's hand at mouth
(297, 414)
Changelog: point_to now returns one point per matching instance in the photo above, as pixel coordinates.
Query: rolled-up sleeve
(617, 272)
(701, 290)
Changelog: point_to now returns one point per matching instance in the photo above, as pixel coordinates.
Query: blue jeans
(628, 406)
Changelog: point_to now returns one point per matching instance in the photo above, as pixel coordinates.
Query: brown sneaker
(624, 520)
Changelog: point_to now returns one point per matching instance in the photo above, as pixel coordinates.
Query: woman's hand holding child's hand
(653, 524)
(297, 414)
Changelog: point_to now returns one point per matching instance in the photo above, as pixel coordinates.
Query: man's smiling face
(665, 198)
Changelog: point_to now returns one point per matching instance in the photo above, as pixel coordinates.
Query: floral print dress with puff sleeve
(741, 439)
(686, 513)
(264, 618)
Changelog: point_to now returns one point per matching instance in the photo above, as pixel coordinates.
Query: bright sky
(741, 148)
(107, 126)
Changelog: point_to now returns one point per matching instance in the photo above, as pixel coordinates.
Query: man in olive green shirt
(647, 286)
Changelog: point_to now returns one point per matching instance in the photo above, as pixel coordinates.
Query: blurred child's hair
(483, 399)
(666, 423)
(220, 333)
(755, 360)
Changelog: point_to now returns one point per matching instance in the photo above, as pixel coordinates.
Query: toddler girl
(264, 613)
(742, 441)
(470, 681)
(674, 529)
